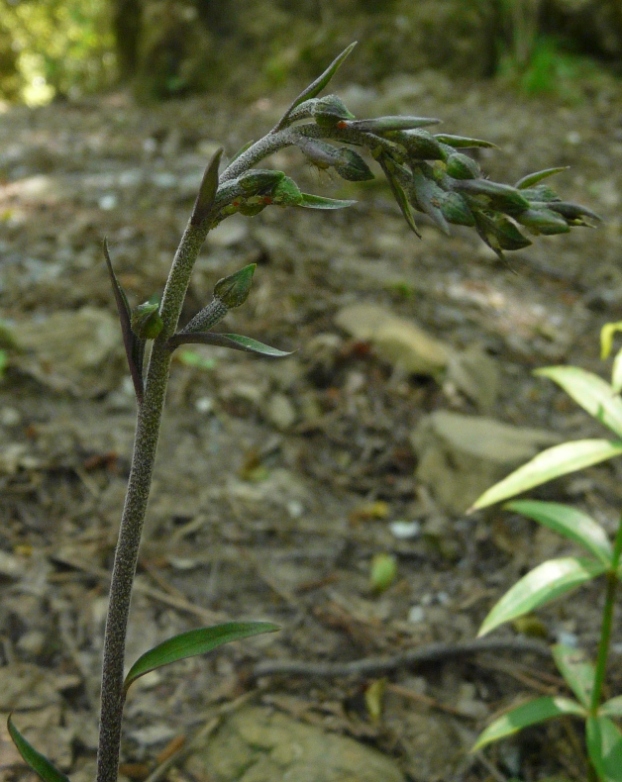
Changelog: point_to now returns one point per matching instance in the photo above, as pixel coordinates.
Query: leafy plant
(557, 577)
(427, 173)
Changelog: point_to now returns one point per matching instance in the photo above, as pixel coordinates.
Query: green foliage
(555, 578)
(63, 47)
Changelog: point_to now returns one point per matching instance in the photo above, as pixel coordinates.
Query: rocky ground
(279, 482)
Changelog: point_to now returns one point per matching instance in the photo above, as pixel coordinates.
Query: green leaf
(462, 142)
(315, 87)
(607, 334)
(604, 746)
(545, 583)
(616, 373)
(612, 707)
(590, 391)
(552, 463)
(193, 643)
(37, 762)
(577, 671)
(235, 341)
(389, 124)
(134, 345)
(309, 201)
(400, 196)
(532, 179)
(570, 522)
(530, 713)
(207, 190)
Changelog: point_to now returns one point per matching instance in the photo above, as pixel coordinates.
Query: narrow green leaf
(193, 643)
(530, 713)
(577, 671)
(315, 87)
(616, 373)
(398, 193)
(37, 762)
(545, 583)
(570, 522)
(612, 707)
(462, 142)
(604, 746)
(607, 334)
(532, 179)
(134, 345)
(309, 201)
(552, 463)
(207, 191)
(235, 341)
(390, 123)
(590, 391)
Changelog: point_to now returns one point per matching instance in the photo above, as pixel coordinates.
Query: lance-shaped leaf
(570, 522)
(552, 463)
(193, 643)
(235, 341)
(604, 746)
(577, 671)
(462, 142)
(315, 87)
(389, 168)
(594, 394)
(532, 179)
(388, 124)
(37, 762)
(207, 190)
(545, 583)
(309, 201)
(527, 714)
(134, 345)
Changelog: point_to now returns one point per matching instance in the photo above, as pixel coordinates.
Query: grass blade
(590, 391)
(552, 463)
(570, 522)
(545, 583)
(193, 643)
(37, 762)
(530, 713)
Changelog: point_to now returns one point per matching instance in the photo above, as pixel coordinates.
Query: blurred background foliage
(55, 49)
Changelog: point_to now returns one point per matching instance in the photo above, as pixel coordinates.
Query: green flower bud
(260, 180)
(543, 221)
(286, 193)
(461, 166)
(382, 125)
(573, 213)
(233, 290)
(504, 198)
(329, 111)
(352, 167)
(320, 153)
(420, 145)
(499, 232)
(146, 321)
(456, 210)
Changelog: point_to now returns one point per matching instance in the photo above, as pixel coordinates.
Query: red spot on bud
(342, 124)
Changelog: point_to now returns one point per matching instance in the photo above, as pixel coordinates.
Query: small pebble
(405, 529)
(416, 615)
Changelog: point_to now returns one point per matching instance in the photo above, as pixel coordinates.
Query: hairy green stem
(605, 631)
(135, 508)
